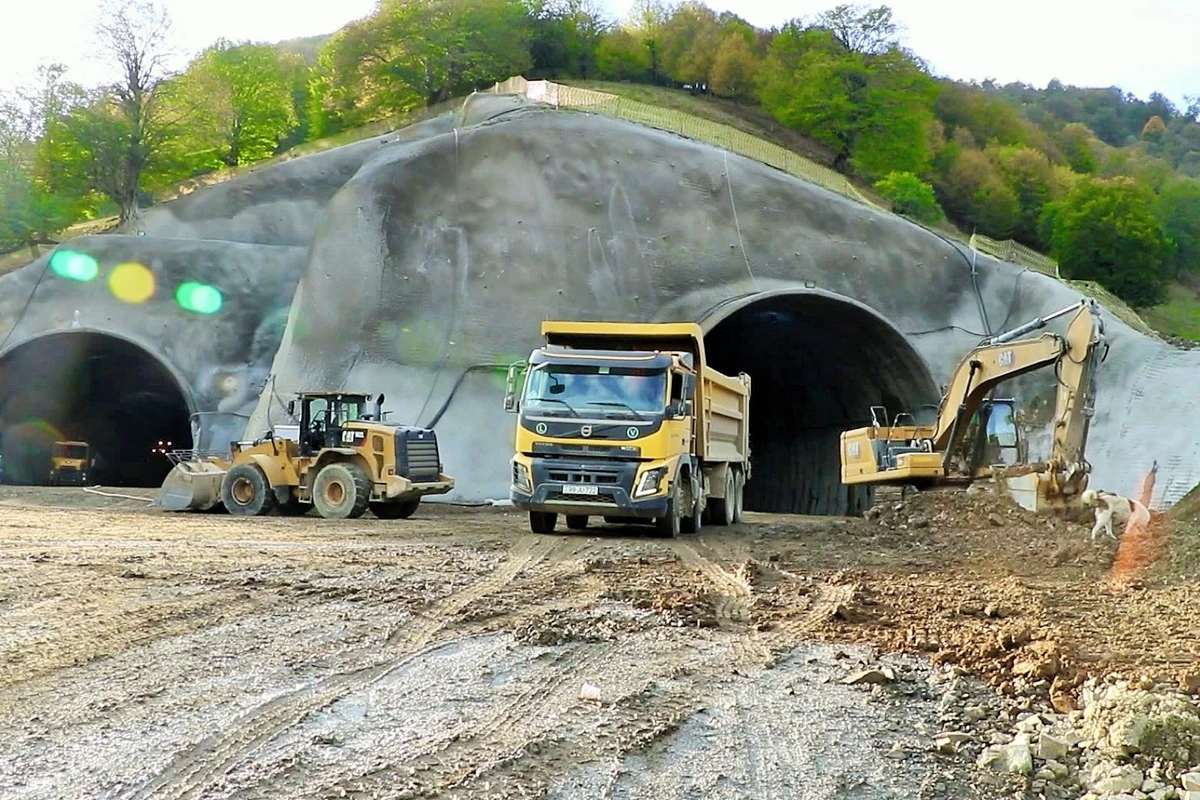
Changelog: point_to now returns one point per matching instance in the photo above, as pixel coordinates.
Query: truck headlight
(520, 477)
(648, 483)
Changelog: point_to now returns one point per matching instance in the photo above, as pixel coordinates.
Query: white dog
(1112, 508)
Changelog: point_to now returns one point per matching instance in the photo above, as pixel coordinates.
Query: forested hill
(1105, 182)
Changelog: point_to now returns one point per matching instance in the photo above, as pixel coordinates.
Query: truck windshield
(71, 451)
(573, 388)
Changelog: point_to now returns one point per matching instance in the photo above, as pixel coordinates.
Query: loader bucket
(192, 486)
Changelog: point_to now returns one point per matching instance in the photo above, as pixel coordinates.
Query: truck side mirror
(510, 387)
(680, 409)
(291, 408)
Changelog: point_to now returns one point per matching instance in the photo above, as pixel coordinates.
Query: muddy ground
(146, 654)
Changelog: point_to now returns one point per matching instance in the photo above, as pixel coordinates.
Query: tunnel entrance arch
(817, 361)
(99, 388)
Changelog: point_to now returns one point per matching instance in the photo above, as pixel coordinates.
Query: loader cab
(323, 416)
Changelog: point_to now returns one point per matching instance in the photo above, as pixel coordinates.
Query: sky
(1141, 47)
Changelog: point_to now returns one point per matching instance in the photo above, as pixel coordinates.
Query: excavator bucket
(193, 485)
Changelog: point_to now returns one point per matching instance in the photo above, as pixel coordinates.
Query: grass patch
(1179, 316)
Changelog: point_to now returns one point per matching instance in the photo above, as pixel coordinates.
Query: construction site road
(145, 654)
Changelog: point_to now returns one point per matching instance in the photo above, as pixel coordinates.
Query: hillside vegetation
(1103, 181)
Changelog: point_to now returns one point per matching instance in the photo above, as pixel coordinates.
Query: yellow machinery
(627, 421)
(972, 434)
(69, 463)
(337, 459)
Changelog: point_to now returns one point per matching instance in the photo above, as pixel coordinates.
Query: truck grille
(601, 498)
(600, 478)
(417, 455)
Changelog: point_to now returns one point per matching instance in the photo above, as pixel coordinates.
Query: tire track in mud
(434, 765)
(193, 770)
(734, 604)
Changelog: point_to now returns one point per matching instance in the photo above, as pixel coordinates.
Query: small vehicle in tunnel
(338, 459)
(70, 464)
(628, 421)
(976, 437)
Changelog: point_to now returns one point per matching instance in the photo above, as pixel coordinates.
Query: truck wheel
(692, 522)
(341, 491)
(577, 522)
(245, 491)
(542, 521)
(402, 510)
(722, 508)
(668, 525)
(740, 490)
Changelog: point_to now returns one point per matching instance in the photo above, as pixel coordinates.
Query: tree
(621, 56)
(1033, 182)
(132, 33)
(239, 101)
(870, 31)
(911, 196)
(688, 43)
(1075, 141)
(974, 193)
(1179, 211)
(875, 111)
(734, 68)
(1106, 231)
(564, 37)
(645, 20)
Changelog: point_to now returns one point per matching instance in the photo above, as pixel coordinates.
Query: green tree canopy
(1106, 230)
(911, 196)
(875, 111)
(1179, 211)
(239, 101)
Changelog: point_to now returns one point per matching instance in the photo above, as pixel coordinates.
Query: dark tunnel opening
(817, 364)
(93, 388)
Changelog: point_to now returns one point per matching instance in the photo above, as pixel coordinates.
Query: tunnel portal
(94, 388)
(817, 363)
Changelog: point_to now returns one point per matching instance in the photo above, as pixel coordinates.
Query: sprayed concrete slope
(423, 262)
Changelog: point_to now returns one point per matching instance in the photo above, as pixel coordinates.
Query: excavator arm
(925, 454)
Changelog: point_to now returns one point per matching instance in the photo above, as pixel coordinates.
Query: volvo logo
(586, 430)
(631, 432)
(541, 427)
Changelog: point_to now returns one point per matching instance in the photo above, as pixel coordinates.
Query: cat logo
(586, 430)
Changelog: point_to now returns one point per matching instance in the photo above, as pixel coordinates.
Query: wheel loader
(338, 459)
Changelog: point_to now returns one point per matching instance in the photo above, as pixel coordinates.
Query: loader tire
(245, 491)
(341, 491)
(402, 510)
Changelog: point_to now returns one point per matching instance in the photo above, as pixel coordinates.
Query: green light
(74, 266)
(199, 297)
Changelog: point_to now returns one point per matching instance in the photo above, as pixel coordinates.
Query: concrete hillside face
(421, 263)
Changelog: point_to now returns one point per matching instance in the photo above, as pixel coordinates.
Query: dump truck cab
(70, 463)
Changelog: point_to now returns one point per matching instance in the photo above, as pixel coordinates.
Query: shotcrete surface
(419, 264)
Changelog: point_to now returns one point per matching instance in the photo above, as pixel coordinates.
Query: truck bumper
(550, 498)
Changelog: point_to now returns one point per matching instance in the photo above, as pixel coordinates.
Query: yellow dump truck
(628, 422)
(69, 463)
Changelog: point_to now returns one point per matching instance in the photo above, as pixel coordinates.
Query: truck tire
(245, 491)
(668, 525)
(341, 491)
(402, 510)
(721, 509)
(694, 521)
(542, 521)
(577, 522)
(740, 489)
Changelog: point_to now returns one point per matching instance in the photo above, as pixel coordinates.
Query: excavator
(975, 436)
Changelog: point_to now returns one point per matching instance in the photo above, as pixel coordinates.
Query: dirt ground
(146, 654)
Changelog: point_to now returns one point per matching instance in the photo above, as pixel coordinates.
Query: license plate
(580, 489)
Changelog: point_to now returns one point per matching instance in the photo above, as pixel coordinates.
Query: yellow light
(131, 282)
